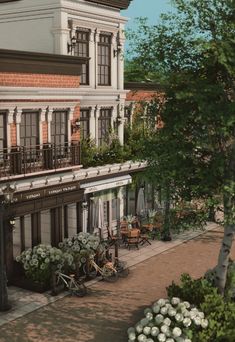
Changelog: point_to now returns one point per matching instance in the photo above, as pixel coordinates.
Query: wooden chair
(133, 238)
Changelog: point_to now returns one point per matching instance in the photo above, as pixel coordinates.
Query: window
(3, 143)
(59, 128)
(85, 123)
(82, 50)
(104, 124)
(29, 129)
(104, 59)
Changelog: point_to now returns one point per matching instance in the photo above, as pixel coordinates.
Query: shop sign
(36, 194)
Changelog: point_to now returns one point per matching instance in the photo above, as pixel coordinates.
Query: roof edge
(40, 63)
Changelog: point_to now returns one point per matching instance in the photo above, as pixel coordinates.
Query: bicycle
(122, 270)
(75, 287)
(108, 272)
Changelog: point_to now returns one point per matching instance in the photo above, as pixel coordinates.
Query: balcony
(27, 160)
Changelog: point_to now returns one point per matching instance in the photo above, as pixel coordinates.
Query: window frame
(104, 46)
(23, 126)
(53, 141)
(105, 119)
(86, 120)
(83, 44)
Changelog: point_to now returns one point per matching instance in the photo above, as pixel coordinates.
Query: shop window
(104, 60)
(28, 231)
(46, 227)
(104, 125)
(85, 123)
(36, 228)
(82, 50)
(72, 219)
(115, 209)
(59, 128)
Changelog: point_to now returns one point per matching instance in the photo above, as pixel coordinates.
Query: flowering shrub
(80, 247)
(168, 321)
(39, 260)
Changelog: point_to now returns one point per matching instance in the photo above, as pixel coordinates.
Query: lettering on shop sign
(60, 190)
(46, 192)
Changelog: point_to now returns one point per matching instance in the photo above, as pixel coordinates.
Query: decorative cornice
(40, 63)
(121, 4)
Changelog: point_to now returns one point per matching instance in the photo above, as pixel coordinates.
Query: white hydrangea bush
(168, 321)
(38, 261)
(81, 246)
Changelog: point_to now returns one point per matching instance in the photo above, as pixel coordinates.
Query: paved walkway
(105, 314)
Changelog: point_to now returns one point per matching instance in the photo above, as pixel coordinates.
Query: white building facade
(93, 29)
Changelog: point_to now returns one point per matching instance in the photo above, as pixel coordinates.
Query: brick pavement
(106, 313)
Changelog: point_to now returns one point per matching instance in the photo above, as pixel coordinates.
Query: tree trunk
(166, 235)
(229, 227)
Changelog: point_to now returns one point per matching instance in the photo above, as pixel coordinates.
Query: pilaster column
(120, 195)
(42, 118)
(97, 40)
(114, 116)
(114, 62)
(84, 216)
(61, 33)
(97, 114)
(10, 120)
(92, 61)
(120, 59)
(49, 120)
(121, 123)
(18, 121)
(92, 123)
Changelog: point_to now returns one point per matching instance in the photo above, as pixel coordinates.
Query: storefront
(44, 216)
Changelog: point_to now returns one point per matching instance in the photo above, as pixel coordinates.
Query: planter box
(29, 284)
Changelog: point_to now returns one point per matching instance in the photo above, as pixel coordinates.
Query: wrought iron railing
(24, 160)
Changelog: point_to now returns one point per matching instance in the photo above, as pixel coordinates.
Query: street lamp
(8, 193)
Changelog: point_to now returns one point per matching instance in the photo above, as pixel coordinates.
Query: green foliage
(219, 312)
(193, 291)
(113, 152)
(221, 317)
(185, 219)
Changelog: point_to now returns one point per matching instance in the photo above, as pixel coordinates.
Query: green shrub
(193, 291)
(219, 311)
(221, 318)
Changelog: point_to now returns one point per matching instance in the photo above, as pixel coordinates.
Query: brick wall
(142, 95)
(38, 80)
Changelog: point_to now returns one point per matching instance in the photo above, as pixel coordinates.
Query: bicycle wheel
(89, 270)
(123, 272)
(78, 289)
(109, 275)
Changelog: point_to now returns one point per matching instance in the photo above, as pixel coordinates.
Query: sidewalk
(23, 302)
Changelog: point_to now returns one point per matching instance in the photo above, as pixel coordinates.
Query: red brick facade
(38, 80)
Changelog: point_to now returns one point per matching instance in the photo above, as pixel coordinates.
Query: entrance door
(56, 226)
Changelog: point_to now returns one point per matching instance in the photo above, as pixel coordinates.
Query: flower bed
(40, 262)
(168, 321)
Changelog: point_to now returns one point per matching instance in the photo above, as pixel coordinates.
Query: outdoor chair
(133, 238)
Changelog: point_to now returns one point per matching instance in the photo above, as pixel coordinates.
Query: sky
(146, 8)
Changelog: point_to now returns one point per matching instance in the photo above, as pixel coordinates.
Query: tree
(194, 48)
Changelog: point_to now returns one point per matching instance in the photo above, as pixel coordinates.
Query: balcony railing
(25, 160)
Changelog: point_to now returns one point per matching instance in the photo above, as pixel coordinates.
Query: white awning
(106, 184)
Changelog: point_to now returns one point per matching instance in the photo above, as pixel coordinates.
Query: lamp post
(8, 193)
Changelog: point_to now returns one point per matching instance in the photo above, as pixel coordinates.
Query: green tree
(194, 153)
